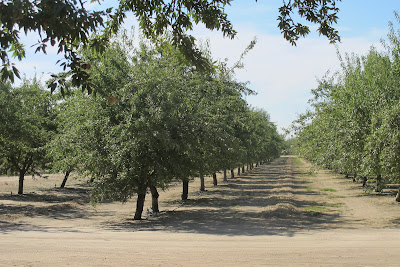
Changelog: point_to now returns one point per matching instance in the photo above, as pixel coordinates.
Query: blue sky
(283, 75)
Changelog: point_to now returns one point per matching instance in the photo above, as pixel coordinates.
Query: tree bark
(202, 186)
(364, 181)
(398, 196)
(215, 181)
(225, 179)
(139, 206)
(232, 174)
(238, 173)
(21, 182)
(378, 183)
(185, 190)
(154, 199)
(65, 179)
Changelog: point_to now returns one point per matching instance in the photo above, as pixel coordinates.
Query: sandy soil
(284, 213)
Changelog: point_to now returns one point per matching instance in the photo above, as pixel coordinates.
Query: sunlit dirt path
(284, 213)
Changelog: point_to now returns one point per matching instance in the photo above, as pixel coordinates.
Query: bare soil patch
(283, 213)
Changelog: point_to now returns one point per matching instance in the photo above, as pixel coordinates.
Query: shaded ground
(278, 214)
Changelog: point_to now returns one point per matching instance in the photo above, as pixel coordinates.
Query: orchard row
(354, 124)
(153, 118)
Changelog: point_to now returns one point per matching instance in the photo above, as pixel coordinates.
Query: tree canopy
(71, 25)
(163, 119)
(28, 123)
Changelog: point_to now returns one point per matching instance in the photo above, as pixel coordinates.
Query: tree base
(139, 206)
(185, 190)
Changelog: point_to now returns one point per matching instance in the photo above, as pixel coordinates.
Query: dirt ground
(284, 213)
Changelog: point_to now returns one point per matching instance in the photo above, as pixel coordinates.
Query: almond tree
(27, 113)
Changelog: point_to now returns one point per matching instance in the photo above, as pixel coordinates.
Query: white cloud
(283, 75)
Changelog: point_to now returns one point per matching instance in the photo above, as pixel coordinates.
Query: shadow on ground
(232, 222)
(57, 204)
(56, 195)
(263, 202)
(7, 227)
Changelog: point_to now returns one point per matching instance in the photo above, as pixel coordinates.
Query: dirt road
(284, 213)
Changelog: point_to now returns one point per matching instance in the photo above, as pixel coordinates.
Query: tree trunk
(154, 199)
(21, 182)
(354, 177)
(238, 171)
(364, 181)
(65, 179)
(398, 196)
(243, 169)
(215, 181)
(202, 186)
(225, 179)
(232, 174)
(257, 164)
(139, 206)
(378, 183)
(247, 166)
(185, 190)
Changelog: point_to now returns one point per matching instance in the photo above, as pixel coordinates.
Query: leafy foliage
(321, 12)
(71, 26)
